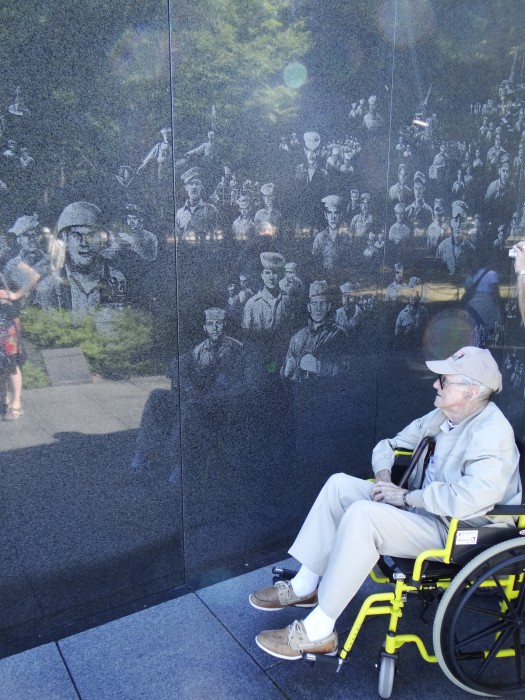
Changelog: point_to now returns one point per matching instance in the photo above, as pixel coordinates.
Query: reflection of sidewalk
(91, 409)
(202, 645)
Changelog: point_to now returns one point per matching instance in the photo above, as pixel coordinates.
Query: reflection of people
(88, 280)
(13, 288)
(519, 268)
(354, 521)
(30, 238)
(483, 296)
(315, 351)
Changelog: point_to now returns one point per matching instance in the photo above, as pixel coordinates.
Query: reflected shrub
(121, 347)
(34, 377)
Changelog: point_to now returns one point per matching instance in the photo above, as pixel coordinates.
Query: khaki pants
(345, 532)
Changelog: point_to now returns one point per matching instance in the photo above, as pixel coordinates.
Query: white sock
(318, 625)
(305, 581)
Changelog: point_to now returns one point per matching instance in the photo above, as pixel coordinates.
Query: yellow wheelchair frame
(479, 626)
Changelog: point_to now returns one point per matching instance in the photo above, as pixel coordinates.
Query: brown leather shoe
(281, 595)
(292, 642)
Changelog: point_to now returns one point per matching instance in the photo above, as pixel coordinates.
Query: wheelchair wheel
(387, 670)
(479, 629)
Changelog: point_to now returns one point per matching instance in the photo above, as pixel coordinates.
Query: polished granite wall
(258, 200)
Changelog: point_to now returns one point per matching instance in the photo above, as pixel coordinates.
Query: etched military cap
(272, 261)
(214, 314)
(348, 288)
(319, 288)
(459, 208)
(24, 224)
(191, 174)
(267, 188)
(332, 202)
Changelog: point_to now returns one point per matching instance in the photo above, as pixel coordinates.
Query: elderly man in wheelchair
(465, 464)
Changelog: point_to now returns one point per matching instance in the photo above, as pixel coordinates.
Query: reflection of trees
(232, 54)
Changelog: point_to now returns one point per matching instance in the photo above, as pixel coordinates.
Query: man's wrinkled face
(318, 309)
(83, 244)
(214, 329)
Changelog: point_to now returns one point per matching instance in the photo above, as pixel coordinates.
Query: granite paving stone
(174, 650)
(36, 674)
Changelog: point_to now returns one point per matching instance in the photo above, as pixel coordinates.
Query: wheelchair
(478, 583)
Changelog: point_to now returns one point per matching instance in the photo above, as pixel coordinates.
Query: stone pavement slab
(37, 674)
(175, 650)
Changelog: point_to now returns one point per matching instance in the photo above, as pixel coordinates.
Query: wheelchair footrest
(281, 574)
(324, 663)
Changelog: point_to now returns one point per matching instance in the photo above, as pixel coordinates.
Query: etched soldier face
(504, 173)
(311, 156)
(419, 191)
(318, 309)
(194, 190)
(134, 222)
(268, 200)
(270, 279)
(83, 244)
(402, 176)
(30, 240)
(333, 218)
(214, 329)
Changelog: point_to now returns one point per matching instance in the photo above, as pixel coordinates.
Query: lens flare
(295, 75)
(446, 332)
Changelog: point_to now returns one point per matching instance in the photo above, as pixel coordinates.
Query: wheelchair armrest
(507, 510)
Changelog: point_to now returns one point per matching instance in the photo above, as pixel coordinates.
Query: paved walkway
(202, 645)
(195, 646)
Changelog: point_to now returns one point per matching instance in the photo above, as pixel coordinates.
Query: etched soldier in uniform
(197, 220)
(88, 280)
(265, 311)
(419, 213)
(268, 213)
(316, 350)
(330, 247)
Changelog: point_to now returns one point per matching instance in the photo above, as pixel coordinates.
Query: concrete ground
(197, 645)
(202, 645)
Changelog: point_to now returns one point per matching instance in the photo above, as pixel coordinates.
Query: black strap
(427, 441)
